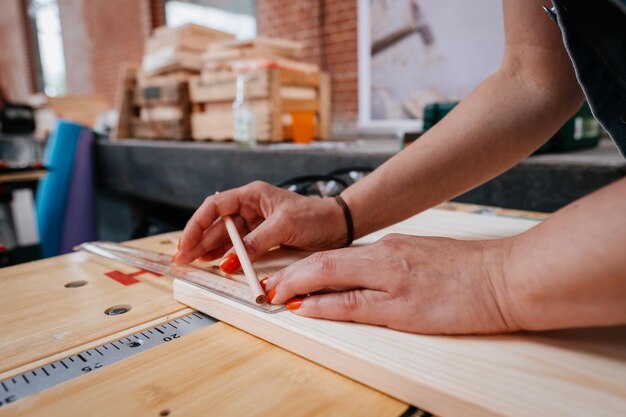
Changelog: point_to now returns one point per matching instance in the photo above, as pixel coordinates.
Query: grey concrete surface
(182, 174)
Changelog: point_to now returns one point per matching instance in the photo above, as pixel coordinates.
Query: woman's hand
(266, 216)
(409, 283)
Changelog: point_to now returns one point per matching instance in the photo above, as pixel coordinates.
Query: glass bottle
(243, 117)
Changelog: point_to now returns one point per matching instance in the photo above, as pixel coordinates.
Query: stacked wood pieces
(277, 85)
(153, 101)
(179, 49)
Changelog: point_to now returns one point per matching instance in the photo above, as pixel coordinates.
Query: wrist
(496, 262)
(334, 222)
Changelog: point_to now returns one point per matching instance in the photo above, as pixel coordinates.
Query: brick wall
(97, 37)
(334, 47)
(15, 71)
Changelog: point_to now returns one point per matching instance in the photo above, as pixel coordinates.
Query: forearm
(504, 120)
(570, 271)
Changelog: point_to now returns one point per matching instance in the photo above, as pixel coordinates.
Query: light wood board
(215, 371)
(23, 176)
(575, 372)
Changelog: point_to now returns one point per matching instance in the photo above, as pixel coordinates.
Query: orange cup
(303, 126)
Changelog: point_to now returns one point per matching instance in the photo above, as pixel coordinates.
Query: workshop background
(120, 116)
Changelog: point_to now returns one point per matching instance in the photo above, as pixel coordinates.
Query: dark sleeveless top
(594, 33)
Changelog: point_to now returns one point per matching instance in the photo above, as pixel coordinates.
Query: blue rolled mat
(53, 190)
(80, 216)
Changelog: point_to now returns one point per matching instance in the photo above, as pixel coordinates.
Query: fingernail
(271, 294)
(263, 283)
(174, 257)
(230, 264)
(179, 240)
(294, 303)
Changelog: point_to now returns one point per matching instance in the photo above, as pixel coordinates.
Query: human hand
(415, 284)
(265, 216)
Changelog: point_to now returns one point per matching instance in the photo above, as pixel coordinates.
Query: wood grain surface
(215, 371)
(575, 372)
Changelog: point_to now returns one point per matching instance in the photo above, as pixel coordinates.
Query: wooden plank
(325, 103)
(80, 109)
(221, 87)
(280, 47)
(290, 106)
(124, 101)
(216, 371)
(300, 79)
(8, 177)
(218, 125)
(276, 104)
(575, 372)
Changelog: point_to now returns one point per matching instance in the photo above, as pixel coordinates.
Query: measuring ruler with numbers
(229, 286)
(89, 360)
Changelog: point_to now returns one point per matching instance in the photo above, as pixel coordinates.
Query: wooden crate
(153, 107)
(273, 95)
(164, 110)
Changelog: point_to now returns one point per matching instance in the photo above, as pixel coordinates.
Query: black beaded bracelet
(348, 217)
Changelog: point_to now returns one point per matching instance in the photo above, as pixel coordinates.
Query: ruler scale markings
(159, 330)
(24, 386)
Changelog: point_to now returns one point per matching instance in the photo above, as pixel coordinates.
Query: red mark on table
(128, 279)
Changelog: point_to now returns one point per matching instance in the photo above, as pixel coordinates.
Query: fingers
(341, 269)
(216, 253)
(260, 240)
(362, 306)
(212, 240)
(212, 208)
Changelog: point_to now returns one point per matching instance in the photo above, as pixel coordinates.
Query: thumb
(259, 241)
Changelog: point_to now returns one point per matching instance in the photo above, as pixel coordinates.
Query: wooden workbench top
(217, 370)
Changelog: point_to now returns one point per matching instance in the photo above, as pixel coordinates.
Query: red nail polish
(230, 264)
(263, 283)
(294, 303)
(271, 294)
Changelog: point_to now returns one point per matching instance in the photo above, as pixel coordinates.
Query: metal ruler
(88, 361)
(232, 286)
